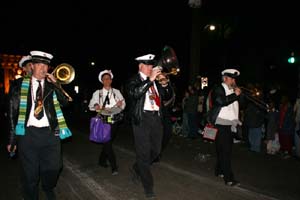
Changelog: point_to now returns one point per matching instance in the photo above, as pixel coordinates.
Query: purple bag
(99, 131)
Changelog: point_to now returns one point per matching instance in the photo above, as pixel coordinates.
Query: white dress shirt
(32, 121)
(150, 103)
(98, 97)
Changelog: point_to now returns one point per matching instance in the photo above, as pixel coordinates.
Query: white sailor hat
(24, 60)
(233, 73)
(146, 59)
(106, 71)
(41, 57)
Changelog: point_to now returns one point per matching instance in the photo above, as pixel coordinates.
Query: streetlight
(212, 27)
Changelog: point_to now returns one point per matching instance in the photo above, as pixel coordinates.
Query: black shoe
(156, 160)
(115, 172)
(105, 165)
(219, 175)
(232, 183)
(135, 178)
(150, 194)
(50, 195)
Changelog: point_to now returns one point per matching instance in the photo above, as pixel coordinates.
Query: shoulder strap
(100, 96)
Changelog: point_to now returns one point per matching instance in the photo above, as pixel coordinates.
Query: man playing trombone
(224, 114)
(37, 125)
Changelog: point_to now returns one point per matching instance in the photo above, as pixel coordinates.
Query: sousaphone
(168, 63)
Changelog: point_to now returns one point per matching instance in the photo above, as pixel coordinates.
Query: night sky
(112, 34)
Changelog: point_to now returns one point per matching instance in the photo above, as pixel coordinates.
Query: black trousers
(167, 125)
(107, 152)
(40, 156)
(224, 143)
(147, 138)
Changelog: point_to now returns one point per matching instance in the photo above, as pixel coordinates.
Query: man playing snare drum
(109, 103)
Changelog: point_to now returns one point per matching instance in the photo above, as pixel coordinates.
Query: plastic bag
(99, 132)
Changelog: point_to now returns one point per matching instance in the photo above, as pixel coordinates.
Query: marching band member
(145, 97)
(224, 114)
(26, 64)
(105, 99)
(36, 126)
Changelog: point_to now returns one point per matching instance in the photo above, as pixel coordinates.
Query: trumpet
(65, 74)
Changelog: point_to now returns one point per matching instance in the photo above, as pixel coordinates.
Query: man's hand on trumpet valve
(154, 73)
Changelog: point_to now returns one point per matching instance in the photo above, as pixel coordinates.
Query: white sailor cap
(106, 71)
(146, 59)
(41, 57)
(233, 73)
(24, 60)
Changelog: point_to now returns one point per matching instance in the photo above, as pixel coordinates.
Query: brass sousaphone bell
(168, 63)
(65, 74)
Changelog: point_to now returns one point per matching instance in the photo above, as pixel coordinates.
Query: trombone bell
(64, 73)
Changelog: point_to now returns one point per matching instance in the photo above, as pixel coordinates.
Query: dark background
(258, 38)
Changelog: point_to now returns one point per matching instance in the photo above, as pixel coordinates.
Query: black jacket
(14, 100)
(136, 92)
(219, 100)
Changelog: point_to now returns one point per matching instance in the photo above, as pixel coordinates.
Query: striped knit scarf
(64, 131)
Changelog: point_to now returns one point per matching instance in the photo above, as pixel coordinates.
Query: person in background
(286, 126)
(272, 121)
(26, 64)
(108, 98)
(185, 120)
(254, 119)
(146, 99)
(224, 115)
(191, 106)
(37, 125)
(297, 128)
(167, 112)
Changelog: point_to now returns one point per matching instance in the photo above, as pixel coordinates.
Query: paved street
(182, 174)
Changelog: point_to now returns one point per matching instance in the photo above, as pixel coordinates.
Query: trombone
(65, 74)
(253, 95)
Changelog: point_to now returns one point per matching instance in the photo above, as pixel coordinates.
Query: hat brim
(103, 73)
(41, 60)
(148, 62)
(235, 75)
(25, 63)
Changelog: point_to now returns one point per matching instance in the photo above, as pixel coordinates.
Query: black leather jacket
(219, 100)
(136, 93)
(14, 100)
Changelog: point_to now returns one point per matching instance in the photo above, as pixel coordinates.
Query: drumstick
(118, 101)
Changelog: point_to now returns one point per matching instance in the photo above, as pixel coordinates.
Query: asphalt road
(182, 174)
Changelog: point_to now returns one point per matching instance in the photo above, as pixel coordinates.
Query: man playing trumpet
(146, 97)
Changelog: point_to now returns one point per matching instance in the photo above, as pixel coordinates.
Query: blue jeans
(254, 136)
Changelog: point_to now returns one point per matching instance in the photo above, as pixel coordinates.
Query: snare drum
(112, 115)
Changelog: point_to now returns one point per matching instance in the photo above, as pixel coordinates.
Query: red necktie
(156, 97)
